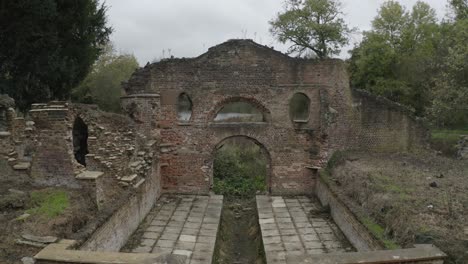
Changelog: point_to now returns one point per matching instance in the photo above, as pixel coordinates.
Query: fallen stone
(30, 243)
(40, 239)
(129, 178)
(16, 191)
(22, 166)
(28, 260)
(89, 175)
(22, 217)
(433, 184)
(139, 183)
(4, 134)
(135, 164)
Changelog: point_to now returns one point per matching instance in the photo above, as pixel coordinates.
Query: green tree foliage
(312, 25)
(102, 86)
(459, 8)
(48, 46)
(450, 92)
(396, 57)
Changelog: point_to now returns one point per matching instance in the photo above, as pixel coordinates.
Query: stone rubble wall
(42, 147)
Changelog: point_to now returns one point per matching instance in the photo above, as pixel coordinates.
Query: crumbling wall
(118, 161)
(241, 70)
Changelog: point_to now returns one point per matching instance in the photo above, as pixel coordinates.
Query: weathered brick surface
(241, 70)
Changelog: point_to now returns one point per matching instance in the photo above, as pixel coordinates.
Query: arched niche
(299, 108)
(238, 110)
(184, 107)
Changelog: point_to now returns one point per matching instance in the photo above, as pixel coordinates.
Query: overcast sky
(151, 29)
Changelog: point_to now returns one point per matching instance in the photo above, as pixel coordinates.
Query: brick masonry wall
(241, 70)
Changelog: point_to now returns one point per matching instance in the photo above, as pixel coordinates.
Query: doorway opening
(240, 171)
(80, 140)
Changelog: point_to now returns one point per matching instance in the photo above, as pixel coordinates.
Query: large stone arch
(252, 139)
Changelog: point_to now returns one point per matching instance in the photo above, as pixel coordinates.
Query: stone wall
(42, 146)
(382, 125)
(114, 233)
(354, 231)
(243, 71)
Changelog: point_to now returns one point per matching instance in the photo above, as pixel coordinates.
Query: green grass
(446, 140)
(50, 203)
(379, 232)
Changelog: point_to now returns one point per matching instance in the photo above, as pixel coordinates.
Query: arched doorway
(239, 161)
(241, 169)
(80, 140)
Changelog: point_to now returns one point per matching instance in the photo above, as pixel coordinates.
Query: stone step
(139, 183)
(4, 134)
(129, 178)
(89, 175)
(22, 166)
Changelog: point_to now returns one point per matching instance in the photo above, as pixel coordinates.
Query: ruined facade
(61, 142)
(243, 71)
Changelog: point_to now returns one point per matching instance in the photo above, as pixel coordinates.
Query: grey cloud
(189, 27)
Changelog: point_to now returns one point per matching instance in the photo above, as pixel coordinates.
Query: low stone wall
(370, 250)
(61, 253)
(424, 254)
(113, 235)
(356, 233)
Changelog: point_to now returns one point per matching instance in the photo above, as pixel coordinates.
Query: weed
(50, 203)
(379, 232)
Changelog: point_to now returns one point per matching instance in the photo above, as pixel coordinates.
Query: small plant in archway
(240, 170)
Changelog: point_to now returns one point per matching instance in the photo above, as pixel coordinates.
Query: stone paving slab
(288, 228)
(184, 225)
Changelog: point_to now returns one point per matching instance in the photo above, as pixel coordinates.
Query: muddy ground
(417, 198)
(239, 239)
(15, 200)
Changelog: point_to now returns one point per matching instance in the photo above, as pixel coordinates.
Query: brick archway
(262, 147)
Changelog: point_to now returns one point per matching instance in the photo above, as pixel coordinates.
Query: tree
(459, 9)
(450, 93)
(396, 58)
(48, 46)
(390, 22)
(103, 85)
(314, 25)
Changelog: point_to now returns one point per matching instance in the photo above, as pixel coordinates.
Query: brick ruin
(60, 142)
(339, 118)
(126, 161)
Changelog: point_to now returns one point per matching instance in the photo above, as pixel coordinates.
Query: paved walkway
(288, 228)
(184, 225)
